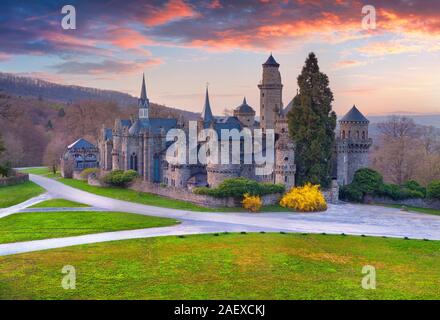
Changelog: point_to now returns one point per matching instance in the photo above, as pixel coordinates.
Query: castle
(141, 144)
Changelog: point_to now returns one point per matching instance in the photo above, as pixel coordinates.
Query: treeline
(36, 131)
(31, 87)
(404, 151)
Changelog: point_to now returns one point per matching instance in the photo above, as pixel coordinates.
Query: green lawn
(42, 171)
(414, 209)
(12, 195)
(149, 198)
(43, 225)
(59, 203)
(229, 266)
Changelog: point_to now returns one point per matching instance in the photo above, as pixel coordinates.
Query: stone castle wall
(199, 199)
(418, 202)
(18, 178)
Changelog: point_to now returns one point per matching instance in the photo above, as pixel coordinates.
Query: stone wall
(418, 202)
(199, 199)
(331, 195)
(17, 178)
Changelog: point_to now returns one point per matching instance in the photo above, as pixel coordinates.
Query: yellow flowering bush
(252, 203)
(307, 198)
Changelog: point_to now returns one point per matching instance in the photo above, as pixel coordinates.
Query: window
(357, 134)
(363, 134)
(343, 134)
(286, 159)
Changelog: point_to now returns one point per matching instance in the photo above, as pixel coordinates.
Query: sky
(182, 45)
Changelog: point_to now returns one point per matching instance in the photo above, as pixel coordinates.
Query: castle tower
(270, 94)
(206, 117)
(352, 145)
(143, 102)
(285, 167)
(245, 113)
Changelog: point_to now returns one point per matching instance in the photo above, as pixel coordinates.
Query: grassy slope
(229, 266)
(12, 195)
(43, 225)
(43, 171)
(59, 203)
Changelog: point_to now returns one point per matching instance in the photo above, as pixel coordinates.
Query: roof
(227, 123)
(154, 125)
(81, 144)
(271, 62)
(143, 101)
(206, 112)
(289, 107)
(143, 88)
(244, 108)
(126, 123)
(354, 115)
(108, 134)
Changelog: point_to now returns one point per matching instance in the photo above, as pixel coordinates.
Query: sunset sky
(181, 45)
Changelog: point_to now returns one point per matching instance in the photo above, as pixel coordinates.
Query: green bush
(433, 190)
(369, 182)
(86, 172)
(415, 186)
(120, 178)
(237, 187)
(5, 170)
(351, 193)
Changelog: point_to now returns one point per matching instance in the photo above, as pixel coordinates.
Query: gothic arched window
(133, 162)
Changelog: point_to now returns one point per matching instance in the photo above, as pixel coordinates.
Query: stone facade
(200, 199)
(78, 156)
(352, 146)
(16, 178)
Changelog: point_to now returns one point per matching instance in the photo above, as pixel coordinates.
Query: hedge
(433, 190)
(120, 178)
(369, 182)
(238, 187)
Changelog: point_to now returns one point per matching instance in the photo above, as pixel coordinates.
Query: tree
(311, 125)
(2, 145)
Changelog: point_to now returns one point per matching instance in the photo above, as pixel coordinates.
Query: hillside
(27, 87)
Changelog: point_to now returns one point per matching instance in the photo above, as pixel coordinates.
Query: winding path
(347, 218)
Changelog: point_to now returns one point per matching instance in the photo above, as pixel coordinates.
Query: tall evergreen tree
(311, 125)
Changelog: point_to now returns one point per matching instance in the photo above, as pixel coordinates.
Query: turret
(270, 94)
(143, 102)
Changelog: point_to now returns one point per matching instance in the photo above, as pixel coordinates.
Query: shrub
(252, 203)
(415, 186)
(238, 187)
(120, 178)
(433, 190)
(351, 193)
(86, 172)
(307, 198)
(367, 180)
(5, 170)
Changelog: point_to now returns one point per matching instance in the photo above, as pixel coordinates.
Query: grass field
(229, 266)
(59, 203)
(43, 225)
(414, 209)
(150, 199)
(12, 195)
(42, 171)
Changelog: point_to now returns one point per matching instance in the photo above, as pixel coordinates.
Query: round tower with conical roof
(352, 145)
(270, 94)
(245, 113)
